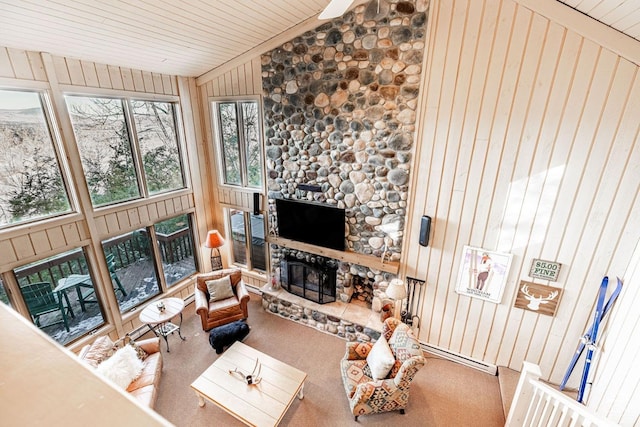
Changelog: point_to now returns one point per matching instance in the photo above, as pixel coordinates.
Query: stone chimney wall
(340, 109)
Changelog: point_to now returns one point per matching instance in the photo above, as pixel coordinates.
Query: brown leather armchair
(225, 311)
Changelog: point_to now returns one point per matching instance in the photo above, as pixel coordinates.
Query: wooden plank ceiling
(190, 37)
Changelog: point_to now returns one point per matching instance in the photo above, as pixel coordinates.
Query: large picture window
(31, 182)
(60, 296)
(126, 159)
(156, 131)
(132, 268)
(237, 127)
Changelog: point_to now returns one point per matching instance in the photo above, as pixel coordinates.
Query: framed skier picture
(483, 273)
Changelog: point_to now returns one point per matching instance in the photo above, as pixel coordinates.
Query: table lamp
(397, 293)
(214, 241)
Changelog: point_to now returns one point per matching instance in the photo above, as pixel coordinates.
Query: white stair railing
(537, 404)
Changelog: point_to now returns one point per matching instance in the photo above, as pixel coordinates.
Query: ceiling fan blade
(335, 8)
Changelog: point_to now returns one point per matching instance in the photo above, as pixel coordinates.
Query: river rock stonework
(340, 108)
(315, 319)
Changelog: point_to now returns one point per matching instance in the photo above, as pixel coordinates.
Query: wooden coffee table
(262, 404)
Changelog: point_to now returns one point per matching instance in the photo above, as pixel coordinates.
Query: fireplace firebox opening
(313, 279)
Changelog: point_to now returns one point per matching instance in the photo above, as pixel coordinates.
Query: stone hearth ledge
(350, 321)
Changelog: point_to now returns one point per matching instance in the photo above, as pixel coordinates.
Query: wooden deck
(140, 284)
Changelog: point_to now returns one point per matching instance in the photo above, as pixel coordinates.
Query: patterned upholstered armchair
(366, 395)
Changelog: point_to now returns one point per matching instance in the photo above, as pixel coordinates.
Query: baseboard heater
(458, 358)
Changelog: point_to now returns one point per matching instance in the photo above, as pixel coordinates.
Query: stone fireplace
(339, 106)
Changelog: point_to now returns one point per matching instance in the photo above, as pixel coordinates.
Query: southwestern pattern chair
(367, 395)
(220, 311)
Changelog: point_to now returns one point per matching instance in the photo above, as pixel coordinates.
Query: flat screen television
(313, 223)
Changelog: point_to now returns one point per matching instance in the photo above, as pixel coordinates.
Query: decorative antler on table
(251, 379)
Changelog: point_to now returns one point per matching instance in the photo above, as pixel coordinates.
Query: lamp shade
(214, 239)
(396, 290)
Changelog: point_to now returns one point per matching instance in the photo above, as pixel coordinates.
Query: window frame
(53, 127)
(127, 98)
(19, 303)
(219, 149)
(248, 238)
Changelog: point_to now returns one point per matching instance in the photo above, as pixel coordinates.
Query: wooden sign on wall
(548, 270)
(538, 298)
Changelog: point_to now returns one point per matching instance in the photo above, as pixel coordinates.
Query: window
(132, 268)
(238, 132)
(31, 182)
(118, 155)
(175, 242)
(250, 252)
(60, 296)
(131, 260)
(156, 130)
(3, 294)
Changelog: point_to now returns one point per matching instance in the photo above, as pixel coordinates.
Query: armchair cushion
(380, 359)
(219, 289)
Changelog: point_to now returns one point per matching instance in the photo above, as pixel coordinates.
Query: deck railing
(175, 246)
(126, 250)
(537, 404)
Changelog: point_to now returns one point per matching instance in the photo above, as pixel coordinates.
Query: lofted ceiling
(190, 37)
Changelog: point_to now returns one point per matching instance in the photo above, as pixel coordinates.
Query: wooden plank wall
(615, 391)
(117, 221)
(528, 144)
(23, 244)
(242, 80)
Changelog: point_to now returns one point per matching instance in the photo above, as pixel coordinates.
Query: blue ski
(586, 338)
(593, 336)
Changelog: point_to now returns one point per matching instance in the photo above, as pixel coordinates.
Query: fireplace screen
(308, 280)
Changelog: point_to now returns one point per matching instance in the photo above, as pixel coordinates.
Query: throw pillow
(380, 359)
(219, 289)
(121, 368)
(101, 349)
(139, 350)
(404, 343)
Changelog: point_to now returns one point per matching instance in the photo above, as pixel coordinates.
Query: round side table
(158, 314)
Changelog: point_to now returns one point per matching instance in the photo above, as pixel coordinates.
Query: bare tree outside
(228, 132)
(105, 148)
(252, 140)
(106, 140)
(156, 132)
(238, 131)
(31, 184)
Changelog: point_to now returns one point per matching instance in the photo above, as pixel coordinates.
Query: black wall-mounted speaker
(425, 228)
(256, 203)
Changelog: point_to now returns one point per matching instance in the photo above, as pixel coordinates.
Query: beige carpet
(443, 393)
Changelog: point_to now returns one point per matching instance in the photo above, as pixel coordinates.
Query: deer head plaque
(538, 298)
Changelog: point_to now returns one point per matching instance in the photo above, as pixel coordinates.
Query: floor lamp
(214, 241)
(397, 293)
